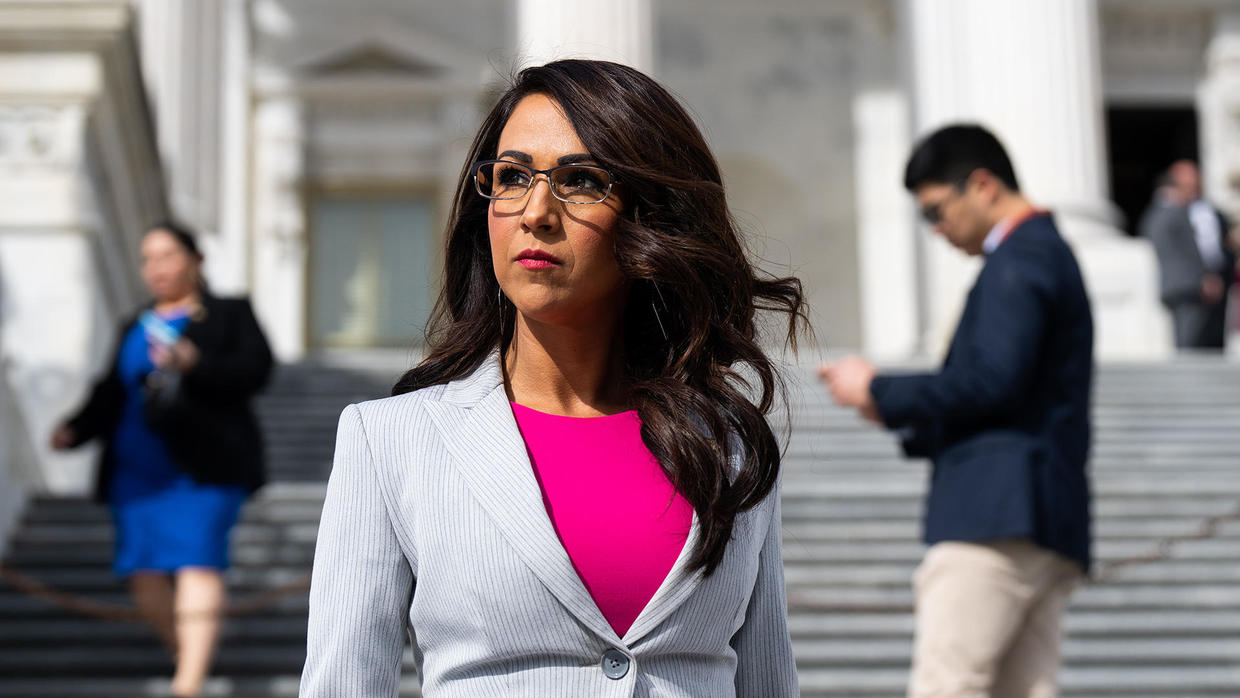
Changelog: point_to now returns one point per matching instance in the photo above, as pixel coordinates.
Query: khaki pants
(987, 620)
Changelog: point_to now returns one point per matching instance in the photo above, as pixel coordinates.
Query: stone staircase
(67, 543)
(1166, 456)
(1165, 459)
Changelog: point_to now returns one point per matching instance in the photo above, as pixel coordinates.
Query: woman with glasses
(576, 492)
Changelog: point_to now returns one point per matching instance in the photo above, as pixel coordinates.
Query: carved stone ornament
(37, 135)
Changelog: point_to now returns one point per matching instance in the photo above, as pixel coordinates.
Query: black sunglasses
(932, 214)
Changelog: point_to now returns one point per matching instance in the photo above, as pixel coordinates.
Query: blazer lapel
(481, 433)
(676, 587)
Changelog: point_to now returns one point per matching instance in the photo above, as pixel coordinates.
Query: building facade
(316, 145)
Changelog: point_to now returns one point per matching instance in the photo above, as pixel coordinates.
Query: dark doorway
(1142, 141)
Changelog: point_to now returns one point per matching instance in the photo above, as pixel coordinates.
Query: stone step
(813, 655)
(1127, 485)
(254, 513)
(897, 653)
(1174, 574)
(15, 606)
(1080, 623)
(250, 660)
(241, 580)
(1105, 438)
(819, 416)
(50, 534)
(83, 538)
(1126, 682)
(275, 686)
(1132, 598)
(298, 496)
(236, 632)
(800, 527)
(1163, 459)
(849, 553)
(846, 510)
(280, 492)
(856, 627)
(293, 545)
(1199, 474)
(1116, 537)
(69, 556)
(833, 419)
(1104, 424)
(811, 530)
(1189, 412)
(1167, 453)
(280, 503)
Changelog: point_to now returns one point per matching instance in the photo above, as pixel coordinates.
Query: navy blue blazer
(1006, 420)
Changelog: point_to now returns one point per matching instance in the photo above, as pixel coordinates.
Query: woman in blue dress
(182, 449)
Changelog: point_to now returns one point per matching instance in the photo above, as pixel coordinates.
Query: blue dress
(165, 520)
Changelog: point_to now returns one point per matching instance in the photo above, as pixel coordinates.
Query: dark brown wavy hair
(696, 373)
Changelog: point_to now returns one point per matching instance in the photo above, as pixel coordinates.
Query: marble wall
(772, 86)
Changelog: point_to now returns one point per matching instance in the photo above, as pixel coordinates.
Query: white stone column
(614, 30)
(885, 244)
(1218, 106)
(79, 173)
(195, 60)
(1029, 71)
(279, 242)
(886, 241)
(182, 44)
(228, 263)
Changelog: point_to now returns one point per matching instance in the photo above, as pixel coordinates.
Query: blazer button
(615, 664)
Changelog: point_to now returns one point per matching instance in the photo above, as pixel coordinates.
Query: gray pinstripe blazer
(434, 524)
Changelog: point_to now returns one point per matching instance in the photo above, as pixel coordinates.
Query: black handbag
(161, 399)
(186, 428)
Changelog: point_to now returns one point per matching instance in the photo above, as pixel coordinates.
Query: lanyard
(1007, 225)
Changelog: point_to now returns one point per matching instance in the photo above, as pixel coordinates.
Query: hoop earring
(655, 307)
(499, 300)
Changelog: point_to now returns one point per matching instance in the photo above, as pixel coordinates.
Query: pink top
(621, 522)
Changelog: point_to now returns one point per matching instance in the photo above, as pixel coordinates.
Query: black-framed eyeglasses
(575, 184)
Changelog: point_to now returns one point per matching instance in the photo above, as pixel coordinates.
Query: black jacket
(1007, 419)
(216, 438)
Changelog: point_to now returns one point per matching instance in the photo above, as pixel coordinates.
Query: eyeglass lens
(584, 184)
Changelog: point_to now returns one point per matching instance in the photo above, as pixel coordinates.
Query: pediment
(370, 58)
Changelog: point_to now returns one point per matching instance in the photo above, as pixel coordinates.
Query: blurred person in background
(571, 495)
(1196, 258)
(1006, 423)
(182, 449)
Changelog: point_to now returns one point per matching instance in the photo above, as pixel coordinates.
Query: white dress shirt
(1208, 232)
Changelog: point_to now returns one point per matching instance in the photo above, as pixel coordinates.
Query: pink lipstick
(537, 259)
